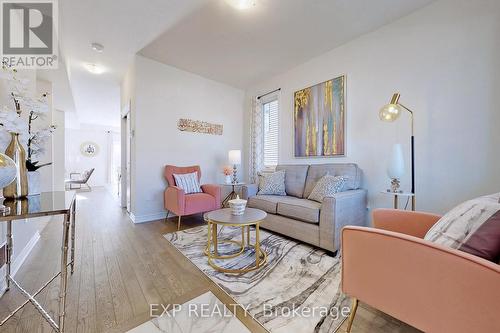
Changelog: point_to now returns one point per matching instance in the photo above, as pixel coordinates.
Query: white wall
(163, 94)
(77, 162)
(58, 151)
(445, 61)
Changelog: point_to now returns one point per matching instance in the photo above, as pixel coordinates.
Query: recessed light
(242, 4)
(97, 47)
(94, 68)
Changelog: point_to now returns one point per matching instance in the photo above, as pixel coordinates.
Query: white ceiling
(241, 48)
(123, 27)
(206, 37)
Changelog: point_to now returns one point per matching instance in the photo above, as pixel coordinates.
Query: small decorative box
(237, 206)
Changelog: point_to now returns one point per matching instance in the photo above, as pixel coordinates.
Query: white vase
(34, 183)
(228, 179)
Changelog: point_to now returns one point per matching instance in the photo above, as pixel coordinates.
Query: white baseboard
(147, 217)
(18, 261)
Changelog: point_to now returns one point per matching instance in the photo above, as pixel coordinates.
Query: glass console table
(44, 204)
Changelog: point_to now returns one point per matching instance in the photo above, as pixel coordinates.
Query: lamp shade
(396, 168)
(234, 157)
(391, 111)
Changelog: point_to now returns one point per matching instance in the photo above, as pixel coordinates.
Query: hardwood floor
(121, 269)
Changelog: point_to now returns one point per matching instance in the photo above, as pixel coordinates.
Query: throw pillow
(272, 183)
(472, 227)
(188, 182)
(327, 186)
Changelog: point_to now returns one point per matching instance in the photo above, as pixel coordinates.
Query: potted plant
(228, 172)
(27, 136)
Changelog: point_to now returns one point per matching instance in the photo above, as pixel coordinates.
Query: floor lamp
(390, 112)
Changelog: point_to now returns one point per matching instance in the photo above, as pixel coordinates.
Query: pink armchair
(431, 287)
(181, 204)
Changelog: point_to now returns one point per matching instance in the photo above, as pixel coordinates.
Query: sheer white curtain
(256, 142)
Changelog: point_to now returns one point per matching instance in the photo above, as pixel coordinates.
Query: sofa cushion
(272, 183)
(299, 209)
(267, 203)
(295, 178)
(472, 227)
(199, 202)
(349, 170)
(327, 186)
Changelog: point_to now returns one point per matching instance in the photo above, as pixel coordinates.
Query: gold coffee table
(223, 218)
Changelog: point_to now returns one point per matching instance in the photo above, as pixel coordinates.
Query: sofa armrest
(343, 208)
(249, 190)
(174, 200)
(213, 190)
(406, 222)
(431, 287)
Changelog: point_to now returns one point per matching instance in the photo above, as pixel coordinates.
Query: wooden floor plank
(105, 313)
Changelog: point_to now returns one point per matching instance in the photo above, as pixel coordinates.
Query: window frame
(266, 100)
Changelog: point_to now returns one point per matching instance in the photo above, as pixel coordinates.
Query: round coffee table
(223, 217)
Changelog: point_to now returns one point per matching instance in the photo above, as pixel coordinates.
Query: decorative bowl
(237, 206)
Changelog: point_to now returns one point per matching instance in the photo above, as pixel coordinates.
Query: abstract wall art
(197, 126)
(319, 119)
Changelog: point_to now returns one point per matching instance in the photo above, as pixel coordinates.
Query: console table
(44, 204)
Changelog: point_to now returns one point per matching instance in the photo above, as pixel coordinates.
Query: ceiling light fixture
(94, 68)
(242, 4)
(97, 47)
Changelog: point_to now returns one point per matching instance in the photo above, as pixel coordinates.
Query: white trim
(147, 217)
(19, 260)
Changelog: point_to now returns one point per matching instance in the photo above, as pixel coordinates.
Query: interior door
(127, 165)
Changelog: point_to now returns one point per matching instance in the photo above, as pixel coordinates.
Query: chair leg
(179, 223)
(353, 313)
(166, 218)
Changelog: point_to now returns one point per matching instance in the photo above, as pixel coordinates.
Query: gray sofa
(309, 221)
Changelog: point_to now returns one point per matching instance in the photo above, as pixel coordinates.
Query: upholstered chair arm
(431, 287)
(213, 190)
(343, 208)
(174, 200)
(406, 222)
(249, 190)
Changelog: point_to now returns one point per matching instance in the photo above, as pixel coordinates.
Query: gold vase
(19, 187)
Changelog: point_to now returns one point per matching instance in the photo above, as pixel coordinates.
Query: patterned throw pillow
(272, 183)
(327, 186)
(472, 227)
(188, 182)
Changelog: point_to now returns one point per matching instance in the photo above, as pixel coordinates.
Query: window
(270, 130)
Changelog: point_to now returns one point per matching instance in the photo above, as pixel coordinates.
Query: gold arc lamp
(391, 112)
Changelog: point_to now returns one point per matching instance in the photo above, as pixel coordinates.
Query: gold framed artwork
(319, 119)
(197, 126)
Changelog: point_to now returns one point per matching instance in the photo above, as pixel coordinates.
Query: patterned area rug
(297, 291)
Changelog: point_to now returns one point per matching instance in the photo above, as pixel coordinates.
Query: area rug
(297, 291)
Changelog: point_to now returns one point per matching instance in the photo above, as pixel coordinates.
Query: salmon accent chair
(429, 286)
(181, 204)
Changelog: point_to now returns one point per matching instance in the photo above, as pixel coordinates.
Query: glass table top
(44, 204)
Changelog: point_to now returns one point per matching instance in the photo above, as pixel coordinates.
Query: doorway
(126, 143)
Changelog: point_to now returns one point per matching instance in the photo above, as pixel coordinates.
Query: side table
(396, 196)
(44, 204)
(232, 195)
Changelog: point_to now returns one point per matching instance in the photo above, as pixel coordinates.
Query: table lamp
(391, 112)
(234, 159)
